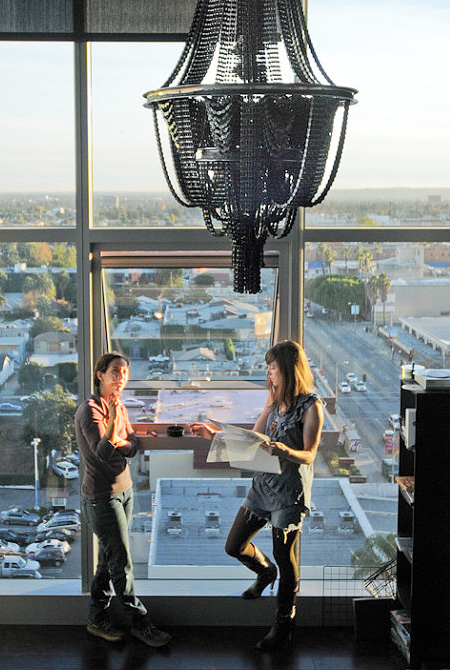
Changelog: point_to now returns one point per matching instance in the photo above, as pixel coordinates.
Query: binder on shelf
(406, 485)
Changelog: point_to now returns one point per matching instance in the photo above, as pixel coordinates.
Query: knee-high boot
(280, 635)
(264, 568)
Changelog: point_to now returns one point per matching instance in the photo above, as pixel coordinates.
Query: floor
(71, 648)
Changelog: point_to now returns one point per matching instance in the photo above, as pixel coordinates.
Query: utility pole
(34, 443)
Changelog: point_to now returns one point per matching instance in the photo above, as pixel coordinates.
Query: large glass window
(395, 169)
(39, 473)
(129, 185)
(371, 309)
(37, 166)
(185, 323)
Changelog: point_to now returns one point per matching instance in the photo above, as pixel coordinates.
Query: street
(342, 347)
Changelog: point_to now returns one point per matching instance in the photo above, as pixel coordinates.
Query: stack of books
(406, 487)
(401, 630)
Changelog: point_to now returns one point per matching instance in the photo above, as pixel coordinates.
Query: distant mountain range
(409, 194)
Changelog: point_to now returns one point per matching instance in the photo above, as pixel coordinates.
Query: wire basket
(383, 582)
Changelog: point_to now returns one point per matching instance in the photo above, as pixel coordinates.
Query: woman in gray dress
(293, 419)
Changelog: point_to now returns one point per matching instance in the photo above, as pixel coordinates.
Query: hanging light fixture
(249, 148)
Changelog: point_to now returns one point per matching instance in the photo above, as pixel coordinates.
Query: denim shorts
(287, 519)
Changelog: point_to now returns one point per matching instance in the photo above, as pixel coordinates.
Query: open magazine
(240, 448)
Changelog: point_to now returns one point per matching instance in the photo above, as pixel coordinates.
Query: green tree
(46, 324)
(230, 352)
(169, 277)
(9, 253)
(330, 255)
(67, 373)
(366, 267)
(377, 549)
(50, 417)
(64, 255)
(335, 292)
(346, 255)
(372, 289)
(384, 284)
(367, 222)
(322, 249)
(204, 279)
(35, 287)
(30, 376)
(3, 281)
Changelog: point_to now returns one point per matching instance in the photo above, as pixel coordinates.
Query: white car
(65, 469)
(34, 547)
(7, 547)
(55, 524)
(394, 421)
(351, 377)
(133, 402)
(360, 386)
(344, 387)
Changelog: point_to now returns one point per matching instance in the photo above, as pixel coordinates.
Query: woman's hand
(275, 449)
(207, 431)
(113, 404)
(121, 443)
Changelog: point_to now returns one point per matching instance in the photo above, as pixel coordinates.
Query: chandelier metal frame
(249, 149)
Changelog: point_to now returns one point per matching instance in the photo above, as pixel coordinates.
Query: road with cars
(339, 348)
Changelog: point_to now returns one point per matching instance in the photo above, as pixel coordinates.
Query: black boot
(266, 571)
(280, 635)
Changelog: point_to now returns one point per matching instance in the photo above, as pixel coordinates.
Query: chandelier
(248, 147)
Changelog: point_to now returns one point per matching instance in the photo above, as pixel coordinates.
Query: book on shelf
(400, 643)
(406, 484)
(400, 616)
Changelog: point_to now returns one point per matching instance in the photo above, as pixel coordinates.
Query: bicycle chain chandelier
(249, 149)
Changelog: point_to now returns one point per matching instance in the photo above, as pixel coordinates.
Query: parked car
(360, 386)
(351, 377)
(388, 469)
(21, 539)
(73, 457)
(9, 547)
(63, 534)
(19, 518)
(388, 433)
(17, 566)
(344, 387)
(133, 402)
(67, 514)
(310, 314)
(50, 556)
(55, 524)
(9, 407)
(57, 544)
(394, 421)
(65, 469)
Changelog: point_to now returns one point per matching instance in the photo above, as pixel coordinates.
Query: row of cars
(25, 552)
(351, 381)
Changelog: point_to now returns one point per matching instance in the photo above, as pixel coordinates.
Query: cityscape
(368, 309)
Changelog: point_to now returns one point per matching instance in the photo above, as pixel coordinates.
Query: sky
(395, 52)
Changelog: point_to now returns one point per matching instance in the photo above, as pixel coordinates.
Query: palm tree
(346, 254)
(384, 284)
(366, 266)
(330, 255)
(322, 251)
(372, 288)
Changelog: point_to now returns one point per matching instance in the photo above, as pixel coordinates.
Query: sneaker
(150, 635)
(103, 628)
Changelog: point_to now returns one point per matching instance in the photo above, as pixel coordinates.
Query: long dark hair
(296, 375)
(103, 364)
